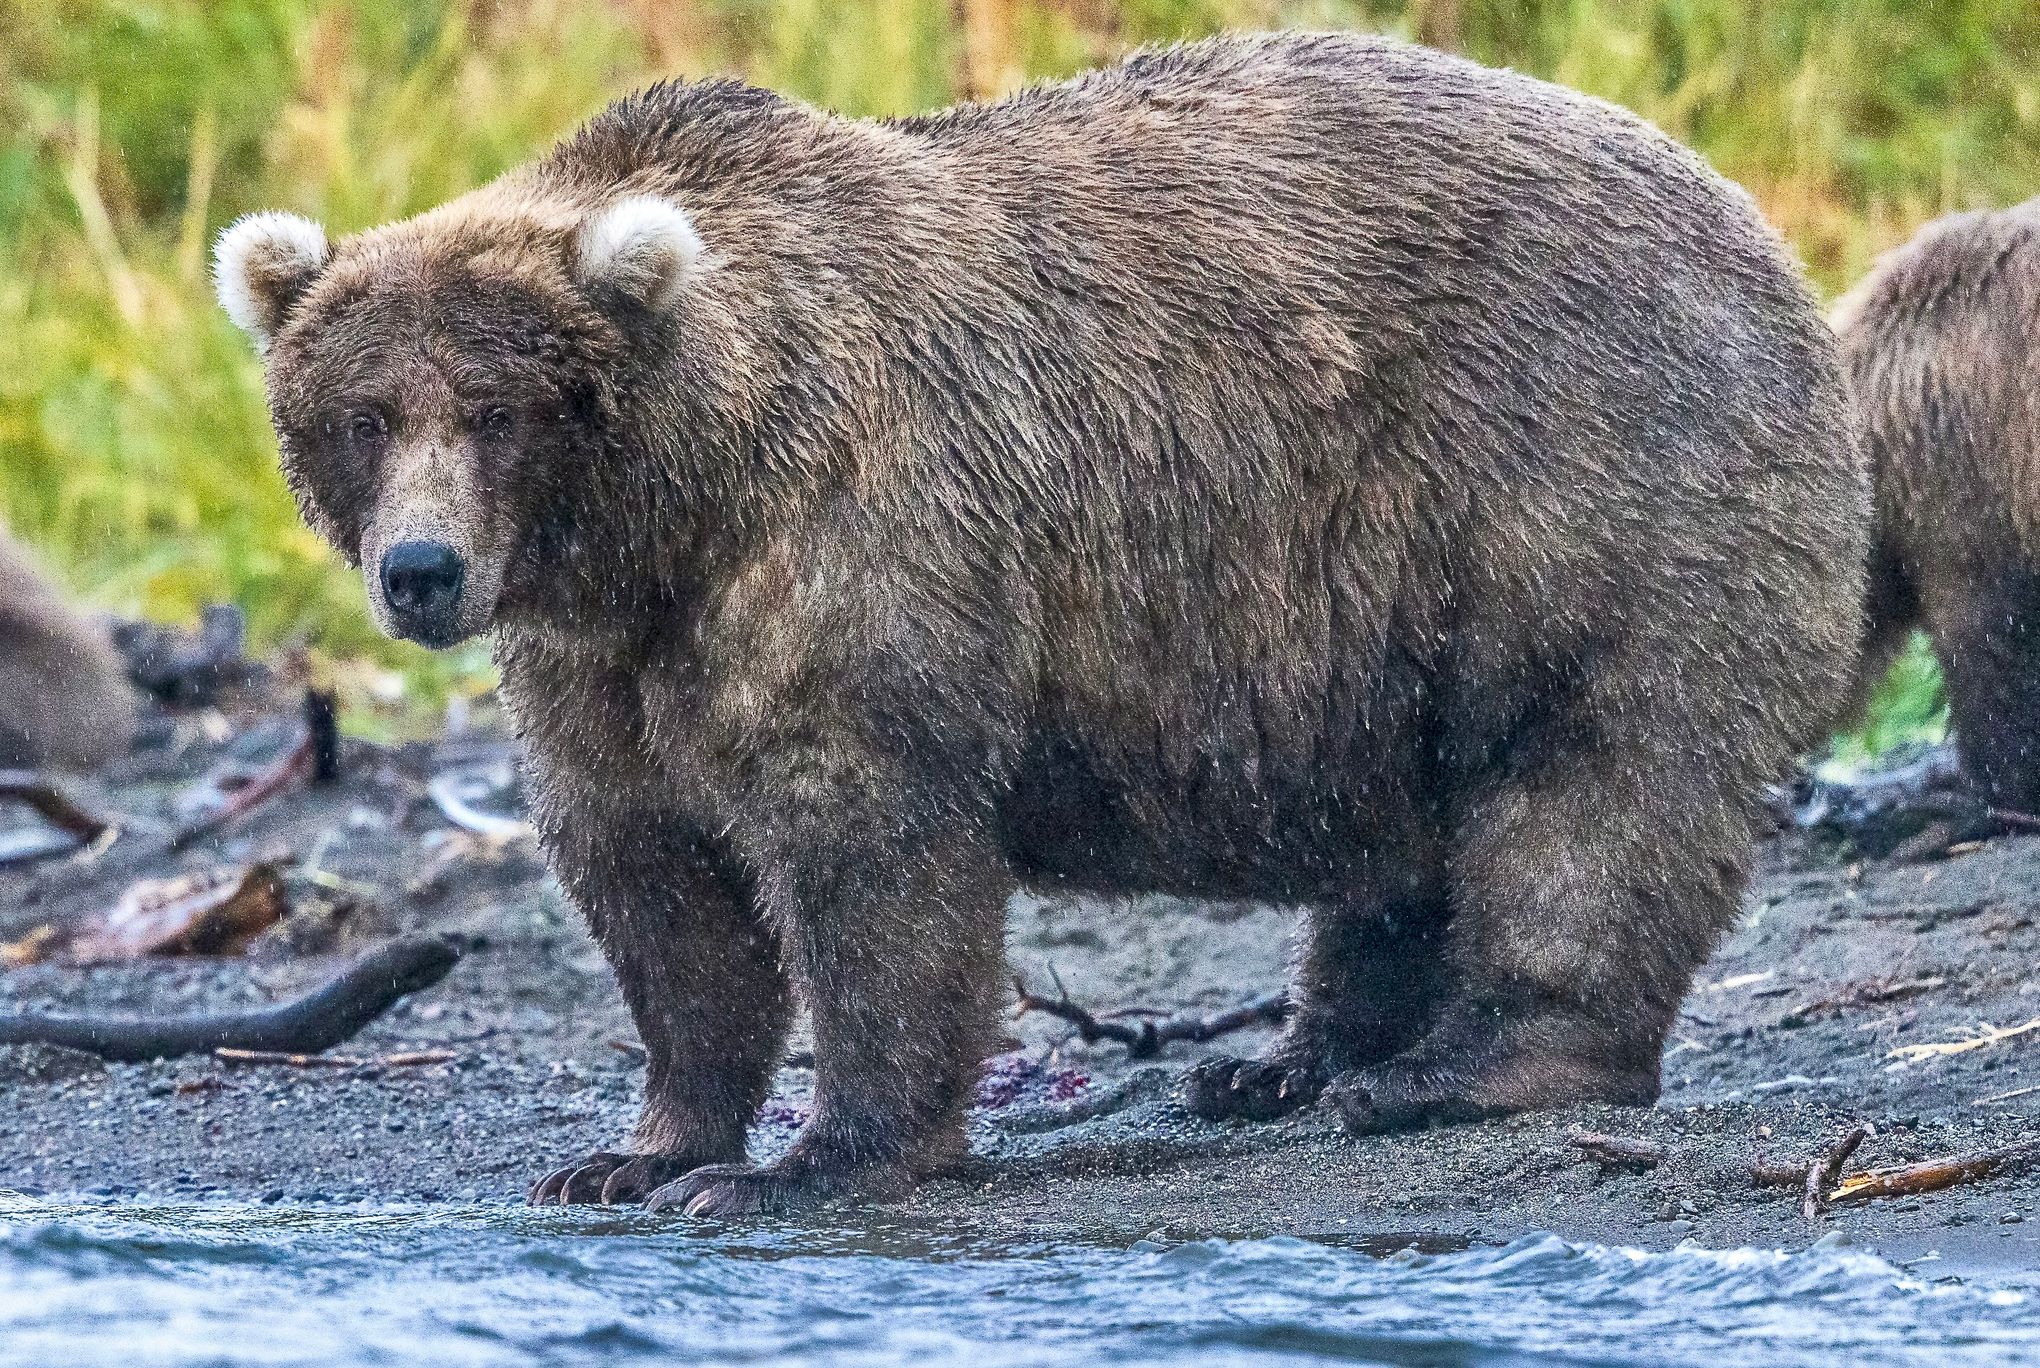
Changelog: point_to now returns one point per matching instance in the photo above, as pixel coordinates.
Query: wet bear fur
(1308, 468)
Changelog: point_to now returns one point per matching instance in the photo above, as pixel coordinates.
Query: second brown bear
(1942, 348)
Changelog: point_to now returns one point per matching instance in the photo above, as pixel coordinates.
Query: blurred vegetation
(133, 443)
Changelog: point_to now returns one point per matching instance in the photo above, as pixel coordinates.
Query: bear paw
(1379, 1101)
(1226, 1089)
(725, 1190)
(610, 1178)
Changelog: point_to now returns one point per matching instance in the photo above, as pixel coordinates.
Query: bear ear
(262, 264)
(644, 247)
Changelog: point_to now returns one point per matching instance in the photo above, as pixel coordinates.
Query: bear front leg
(890, 905)
(701, 975)
(1588, 892)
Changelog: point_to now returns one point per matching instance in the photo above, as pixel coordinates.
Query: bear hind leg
(1585, 896)
(1988, 639)
(1369, 978)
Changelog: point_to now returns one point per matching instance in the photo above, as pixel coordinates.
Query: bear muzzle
(421, 586)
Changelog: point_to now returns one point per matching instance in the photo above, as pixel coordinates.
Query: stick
(314, 755)
(319, 1020)
(1931, 1175)
(1820, 1176)
(2021, 821)
(1862, 995)
(403, 1059)
(1768, 1175)
(1144, 1039)
(1617, 1151)
(26, 786)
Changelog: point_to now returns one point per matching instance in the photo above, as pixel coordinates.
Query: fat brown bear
(64, 700)
(1310, 469)
(1941, 345)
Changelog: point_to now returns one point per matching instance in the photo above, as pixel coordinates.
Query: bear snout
(421, 583)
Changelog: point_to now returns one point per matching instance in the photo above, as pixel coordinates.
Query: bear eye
(495, 422)
(367, 426)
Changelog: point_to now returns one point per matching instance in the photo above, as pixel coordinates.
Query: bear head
(444, 389)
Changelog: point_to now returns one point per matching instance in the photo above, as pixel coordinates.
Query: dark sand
(537, 1081)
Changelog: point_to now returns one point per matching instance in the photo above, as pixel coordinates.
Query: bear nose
(422, 579)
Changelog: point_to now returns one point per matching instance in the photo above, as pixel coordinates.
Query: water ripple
(231, 1287)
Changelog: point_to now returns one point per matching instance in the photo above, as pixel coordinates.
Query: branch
(315, 755)
(1931, 1175)
(26, 786)
(319, 1020)
(1821, 1174)
(1144, 1039)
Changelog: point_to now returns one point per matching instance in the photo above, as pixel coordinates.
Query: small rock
(47, 1064)
(1679, 1230)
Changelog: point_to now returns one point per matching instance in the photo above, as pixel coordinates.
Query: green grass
(133, 444)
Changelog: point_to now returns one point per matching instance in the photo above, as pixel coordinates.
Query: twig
(2006, 1096)
(2021, 821)
(1821, 1175)
(1616, 1151)
(314, 755)
(1863, 994)
(1144, 1039)
(1931, 1175)
(1984, 1035)
(322, 726)
(404, 1059)
(37, 792)
(319, 1020)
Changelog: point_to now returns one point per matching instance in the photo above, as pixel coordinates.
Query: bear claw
(609, 1178)
(1377, 1102)
(1225, 1089)
(727, 1190)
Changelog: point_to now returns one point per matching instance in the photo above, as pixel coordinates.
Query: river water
(137, 1287)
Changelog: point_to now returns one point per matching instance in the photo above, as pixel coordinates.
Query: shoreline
(1784, 1044)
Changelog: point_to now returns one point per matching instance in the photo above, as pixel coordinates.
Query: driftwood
(1616, 1151)
(1931, 1175)
(36, 792)
(1765, 1174)
(1820, 1182)
(319, 1020)
(1145, 1036)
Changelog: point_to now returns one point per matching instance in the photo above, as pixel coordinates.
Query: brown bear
(1941, 345)
(64, 700)
(1308, 468)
